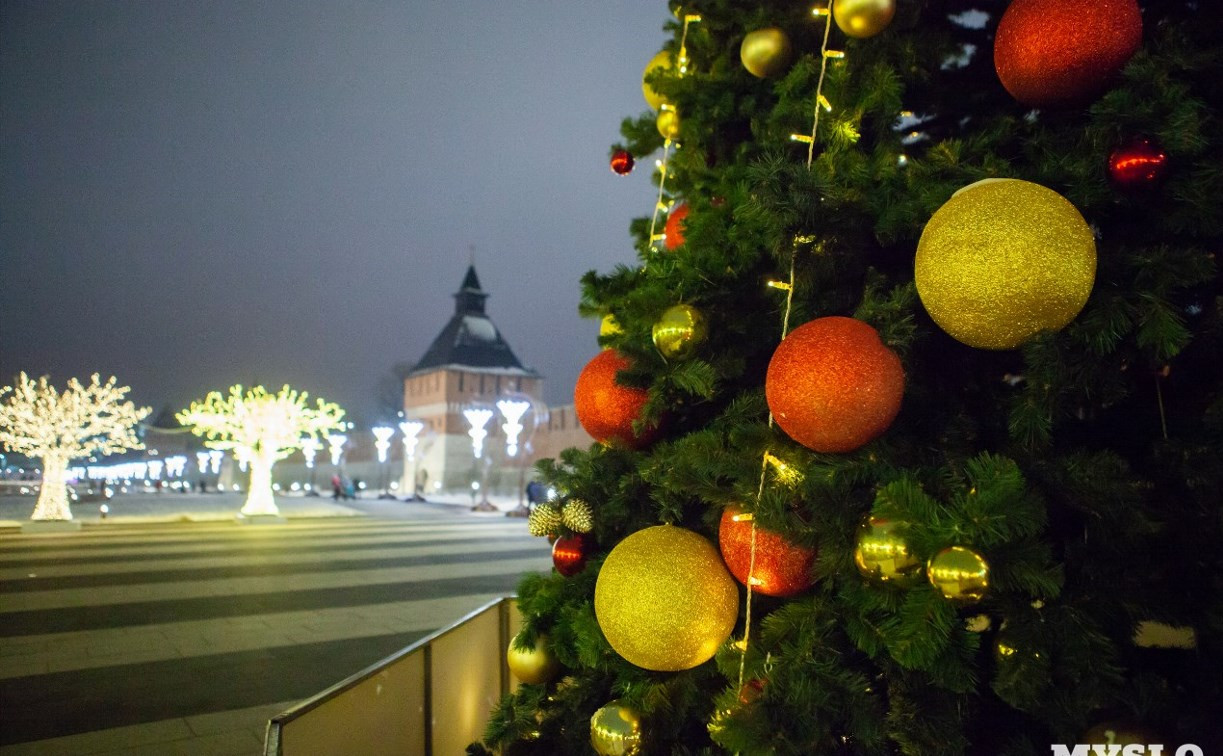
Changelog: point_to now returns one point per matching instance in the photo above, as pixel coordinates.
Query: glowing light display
(512, 411)
(262, 428)
(477, 419)
(38, 421)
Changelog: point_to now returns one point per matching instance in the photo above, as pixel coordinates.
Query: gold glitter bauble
(883, 555)
(1003, 260)
(615, 730)
(1119, 734)
(578, 516)
(535, 665)
(766, 52)
(664, 599)
(661, 61)
(668, 123)
(863, 18)
(543, 520)
(679, 331)
(960, 573)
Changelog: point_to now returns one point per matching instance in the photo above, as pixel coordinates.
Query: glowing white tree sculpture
(264, 427)
(83, 421)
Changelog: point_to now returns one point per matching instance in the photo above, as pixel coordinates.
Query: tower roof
(470, 340)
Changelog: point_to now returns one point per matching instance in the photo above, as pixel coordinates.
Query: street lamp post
(478, 418)
(382, 443)
(411, 431)
(310, 447)
(513, 410)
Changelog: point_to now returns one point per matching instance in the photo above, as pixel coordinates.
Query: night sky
(196, 194)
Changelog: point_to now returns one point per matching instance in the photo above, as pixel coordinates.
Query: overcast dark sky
(201, 193)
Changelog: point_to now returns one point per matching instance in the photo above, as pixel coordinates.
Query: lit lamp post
(513, 410)
(310, 447)
(478, 419)
(335, 445)
(411, 431)
(201, 461)
(382, 443)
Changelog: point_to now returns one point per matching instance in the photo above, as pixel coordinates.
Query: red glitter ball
(1137, 164)
(605, 408)
(622, 162)
(1061, 52)
(569, 554)
(833, 386)
(673, 232)
(781, 569)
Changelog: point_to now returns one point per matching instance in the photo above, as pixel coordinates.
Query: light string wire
(821, 102)
(659, 205)
(765, 460)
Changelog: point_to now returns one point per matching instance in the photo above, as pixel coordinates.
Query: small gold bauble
(668, 122)
(1003, 260)
(960, 573)
(679, 331)
(535, 665)
(615, 730)
(863, 18)
(766, 52)
(609, 326)
(883, 555)
(664, 599)
(660, 62)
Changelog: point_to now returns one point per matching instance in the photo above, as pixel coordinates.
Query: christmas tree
(910, 417)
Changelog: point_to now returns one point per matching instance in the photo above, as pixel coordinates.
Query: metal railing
(433, 697)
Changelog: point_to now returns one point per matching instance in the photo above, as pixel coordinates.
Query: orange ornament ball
(833, 386)
(605, 408)
(781, 568)
(1062, 52)
(673, 231)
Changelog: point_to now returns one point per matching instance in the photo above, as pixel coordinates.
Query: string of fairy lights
(667, 111)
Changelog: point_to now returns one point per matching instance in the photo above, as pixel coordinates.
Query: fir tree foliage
(1084, 466)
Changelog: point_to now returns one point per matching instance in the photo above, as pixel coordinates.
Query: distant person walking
(335, 487)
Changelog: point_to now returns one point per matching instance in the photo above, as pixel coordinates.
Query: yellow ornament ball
(863, 18)
(615, 730)
(1002, 261)
(665, 600)
(959, 573)
(766, 52)
(534, 665)
(660, 62)
(883, 555)
(679, 331)
(668, 122)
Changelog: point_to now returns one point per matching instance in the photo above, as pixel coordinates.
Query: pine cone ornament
(543, 520)
(578, 516)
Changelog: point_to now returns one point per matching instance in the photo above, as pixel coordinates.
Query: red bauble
(622, 162)
(833, 386)
(569, 554)
(673, 232)
(1062, 52)
(605, 408)
(1138, 164)
(781, 569)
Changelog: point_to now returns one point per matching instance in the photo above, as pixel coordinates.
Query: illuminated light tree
(263, 428)
(83, 421)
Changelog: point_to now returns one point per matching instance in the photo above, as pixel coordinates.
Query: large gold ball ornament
(664, 600)
(766, 52)
(863, 18)
(679, 331)
(1003, 260)
(883, 555)
(534, 665)
(660, 62)
(668, 122)
(960, 573)
(615, 730)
